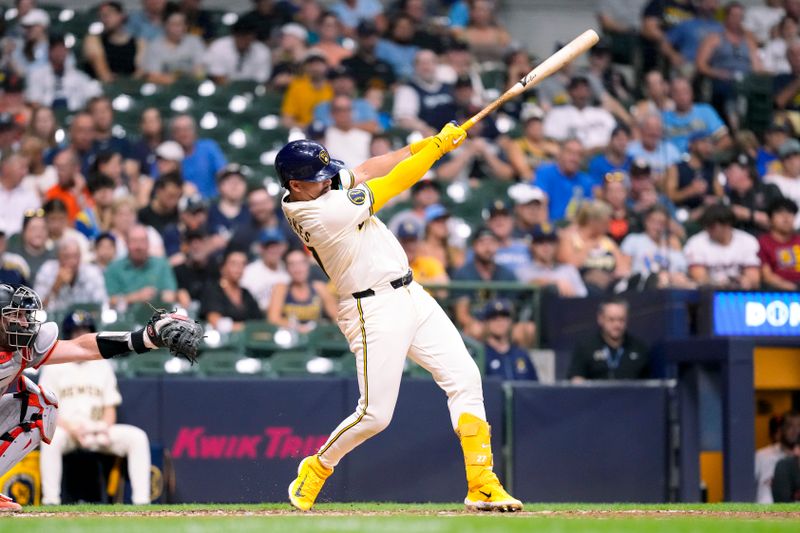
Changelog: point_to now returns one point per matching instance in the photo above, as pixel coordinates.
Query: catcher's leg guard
(27, 417)
(485, 493)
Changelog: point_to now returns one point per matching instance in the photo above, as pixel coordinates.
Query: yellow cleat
(491, 496)
(311, 476)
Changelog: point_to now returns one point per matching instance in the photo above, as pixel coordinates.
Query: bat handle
(468, 124)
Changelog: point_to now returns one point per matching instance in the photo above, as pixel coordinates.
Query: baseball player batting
(383, 313)
(28, 416)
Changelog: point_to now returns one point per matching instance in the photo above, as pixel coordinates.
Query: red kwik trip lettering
(292, 447)
(274, 436)
(281, 443)
(186, 442)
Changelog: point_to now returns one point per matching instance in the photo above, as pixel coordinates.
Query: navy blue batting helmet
(306, 160)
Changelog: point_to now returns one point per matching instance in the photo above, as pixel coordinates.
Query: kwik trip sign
(757, 313)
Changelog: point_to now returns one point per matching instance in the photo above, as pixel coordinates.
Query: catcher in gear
(27, 411)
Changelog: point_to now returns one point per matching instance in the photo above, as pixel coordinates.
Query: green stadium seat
(258, 339)
(302, 363)
(327, 340)
(222, 363)
(148, 364)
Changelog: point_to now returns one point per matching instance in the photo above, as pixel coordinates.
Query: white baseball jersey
(12, 362)
(355, 249)
(83, 389)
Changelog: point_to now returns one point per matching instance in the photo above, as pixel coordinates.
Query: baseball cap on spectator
(192, 204)
(603, 46)
(482, 232)
(232, 169)
(424, 184)
(271, 236)
(543, 233)
(339, 72)
(498, 207)
(103, 236)
(409, 230)
(717, 214)
(577, 80)
(497, 307)
(35, 17)
(524, 193)
(531, 112)
(789, 148)
(463, 81)
(780, 126)
(699, 135)
(739, 158)
(435, 212)
(314, 55)
(316, 130)
(171, 151)
(639, 168)
(244, 26)
(295, 29)
(367, 28)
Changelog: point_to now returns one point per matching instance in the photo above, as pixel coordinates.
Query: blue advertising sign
(761, 314)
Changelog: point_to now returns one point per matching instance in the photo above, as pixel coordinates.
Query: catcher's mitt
(178, 333)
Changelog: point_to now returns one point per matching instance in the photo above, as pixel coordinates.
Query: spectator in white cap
(289, 54)
(31, 50)
(788, 179)
(169, 156)
(530, 208)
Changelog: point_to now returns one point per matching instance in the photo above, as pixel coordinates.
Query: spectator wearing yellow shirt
(426, 269)
(306, 91)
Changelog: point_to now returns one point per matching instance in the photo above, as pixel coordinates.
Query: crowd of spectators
(638, 167)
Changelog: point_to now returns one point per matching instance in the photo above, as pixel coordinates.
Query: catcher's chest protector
(12, 363)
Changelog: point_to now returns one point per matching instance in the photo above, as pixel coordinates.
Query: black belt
(396, 284)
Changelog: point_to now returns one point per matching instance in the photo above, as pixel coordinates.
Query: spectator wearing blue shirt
(147, 23)
(351, 12)
(688, 118)
(512, 253)
(614, 158)
(504, 359)
(652, 148)
(203, 158)
(683, 39)
(767, 161)
(399, 50)
(365, 117)
(482, 267)
(564, 181)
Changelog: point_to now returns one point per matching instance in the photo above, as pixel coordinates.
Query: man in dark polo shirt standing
(611, 353)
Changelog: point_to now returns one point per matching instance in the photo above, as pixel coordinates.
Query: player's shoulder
(46, 337)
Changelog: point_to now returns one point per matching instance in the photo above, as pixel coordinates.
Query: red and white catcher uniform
(28, 415)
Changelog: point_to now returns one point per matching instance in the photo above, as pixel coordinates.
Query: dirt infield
(633, 513)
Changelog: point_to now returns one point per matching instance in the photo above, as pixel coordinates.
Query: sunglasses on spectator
(615, 177)
(34, 213)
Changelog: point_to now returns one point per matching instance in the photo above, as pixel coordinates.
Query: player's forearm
(104, 345)
(403, 175)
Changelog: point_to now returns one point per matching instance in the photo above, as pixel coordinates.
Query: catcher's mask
(22, 315)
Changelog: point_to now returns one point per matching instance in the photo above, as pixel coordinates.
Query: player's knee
(376, 421)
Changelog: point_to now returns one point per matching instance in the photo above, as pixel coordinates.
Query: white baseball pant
(383, 329)
(125, 440)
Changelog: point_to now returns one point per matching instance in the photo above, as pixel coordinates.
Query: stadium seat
(223, 363)
(291, 363)
(327, 340)
(258, 339)
(149, 364)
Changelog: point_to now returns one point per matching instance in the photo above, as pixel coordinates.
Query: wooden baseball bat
(555, 62)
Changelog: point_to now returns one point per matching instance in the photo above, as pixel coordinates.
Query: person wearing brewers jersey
(28, 411)
(88, 399)
(382, 312)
